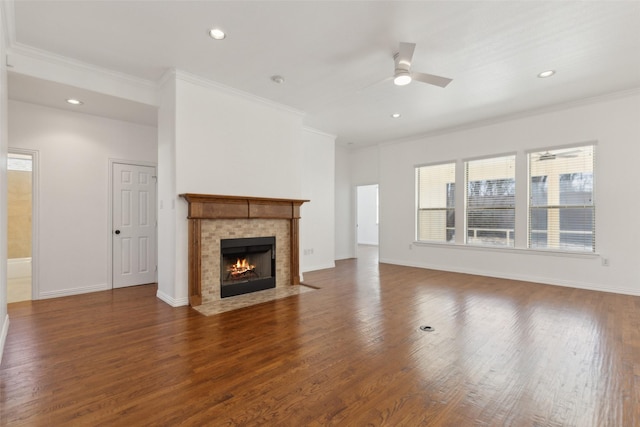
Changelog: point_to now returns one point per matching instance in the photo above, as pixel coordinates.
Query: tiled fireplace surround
(212, 218)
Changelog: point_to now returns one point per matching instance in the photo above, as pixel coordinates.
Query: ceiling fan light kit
(403, 74)
(401, 78)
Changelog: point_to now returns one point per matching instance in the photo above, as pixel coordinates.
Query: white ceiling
(332, 54)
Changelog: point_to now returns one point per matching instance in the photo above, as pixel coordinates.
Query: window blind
(561, 202)
(436, 202)
(490, 197)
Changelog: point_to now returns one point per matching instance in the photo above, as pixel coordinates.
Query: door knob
(117, 231)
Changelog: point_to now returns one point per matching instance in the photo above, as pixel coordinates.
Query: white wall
(317, 245)
(353, 168)
(344, 231)
(74, 151)
(612, 122)
(4, 318)
(364, 164)
(223, 142)
(227, 144)
(367, 207)
(169, 288)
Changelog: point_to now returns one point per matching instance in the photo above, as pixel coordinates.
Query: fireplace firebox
(247, 265)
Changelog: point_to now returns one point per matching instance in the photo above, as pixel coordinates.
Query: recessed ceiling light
(546, 74)
(277, 79)
(217, 34)
(73, 101)
(395, 115)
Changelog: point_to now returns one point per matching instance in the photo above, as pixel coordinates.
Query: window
(561, 204)
(436, 202)
(491, 199)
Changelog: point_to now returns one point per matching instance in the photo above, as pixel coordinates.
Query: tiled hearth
(212, 218)
(240, 301)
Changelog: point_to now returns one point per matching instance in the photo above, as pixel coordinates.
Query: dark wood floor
(503, 353)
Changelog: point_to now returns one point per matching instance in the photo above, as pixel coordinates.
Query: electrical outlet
(605, 262)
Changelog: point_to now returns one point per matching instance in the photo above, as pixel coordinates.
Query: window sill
(525, 251)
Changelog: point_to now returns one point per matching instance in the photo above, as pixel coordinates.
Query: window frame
(559, 206)
(446, 208)
(510, 236)
(522, 200)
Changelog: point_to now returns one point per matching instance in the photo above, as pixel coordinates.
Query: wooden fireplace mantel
(211, 207)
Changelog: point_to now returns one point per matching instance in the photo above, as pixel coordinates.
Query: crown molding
(20, 49)
(513, 116)
(318, 132)
(210, 84)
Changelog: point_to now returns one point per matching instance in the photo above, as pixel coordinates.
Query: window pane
(436, 202)
(491, 190)
(576, 189)
(561, 204)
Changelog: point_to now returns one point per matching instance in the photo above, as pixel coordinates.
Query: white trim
(318, 132)
(42, 64)
(173, 302)
(519, 251)
(35, 217)
(508, 117)
(110, 213)
(324, 266)
(210, 84)
(593, 142)
(20, 49)
(3, 335)
(489, 156)
(73, 291)
(519, 277)
(446, 162)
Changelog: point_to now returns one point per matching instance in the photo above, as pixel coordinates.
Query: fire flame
(241, 266)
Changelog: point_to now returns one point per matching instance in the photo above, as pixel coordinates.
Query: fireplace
(213, 218)
(247, 265)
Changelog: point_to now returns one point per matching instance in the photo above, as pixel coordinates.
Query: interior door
(134, 225)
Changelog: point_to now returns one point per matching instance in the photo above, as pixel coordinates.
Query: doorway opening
(21, 187)
(367, 221)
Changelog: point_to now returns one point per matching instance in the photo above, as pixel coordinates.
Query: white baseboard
(520, 277)
(73, 291)
(308, 268)
(173, 302)
(3, 335)
(18, 267)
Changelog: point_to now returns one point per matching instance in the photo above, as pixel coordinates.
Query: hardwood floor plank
(503, 353)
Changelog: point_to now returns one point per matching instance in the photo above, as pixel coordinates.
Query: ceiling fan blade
(375, 84)
(431, 79)
(405, 55)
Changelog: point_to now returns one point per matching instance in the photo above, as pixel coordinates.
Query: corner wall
(611, 121)
(317, 245)
(73, 152)
(223, 142)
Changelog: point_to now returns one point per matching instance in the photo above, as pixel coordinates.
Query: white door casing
(133, 225)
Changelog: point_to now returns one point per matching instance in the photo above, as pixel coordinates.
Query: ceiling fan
(403, 74)
(547, 155)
